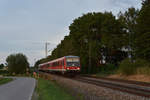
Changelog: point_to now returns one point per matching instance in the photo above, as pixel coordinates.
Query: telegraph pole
(45, 49)
(46, 44)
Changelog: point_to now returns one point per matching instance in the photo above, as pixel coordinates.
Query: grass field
(48, 90)
(5, 80)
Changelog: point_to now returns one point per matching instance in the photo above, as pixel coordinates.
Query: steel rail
(123, 88)
(119, 80)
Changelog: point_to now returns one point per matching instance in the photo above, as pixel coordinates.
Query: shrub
(17, 63)
(107, 69)
(143, 70)
(127, 67)
(3, 72)
(141, 63)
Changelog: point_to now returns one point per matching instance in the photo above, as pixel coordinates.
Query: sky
(25, 25)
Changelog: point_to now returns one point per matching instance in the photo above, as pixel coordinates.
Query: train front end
(73, 64)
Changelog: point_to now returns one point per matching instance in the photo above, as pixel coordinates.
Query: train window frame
(57, 63)
(53, 64)
(60, 63)
(63, 62)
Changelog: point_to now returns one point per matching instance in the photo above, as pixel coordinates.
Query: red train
(66, 64)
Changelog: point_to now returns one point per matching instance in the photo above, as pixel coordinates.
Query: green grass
(5, 80)
(48, 90)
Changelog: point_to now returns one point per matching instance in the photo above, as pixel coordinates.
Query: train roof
(70, 56)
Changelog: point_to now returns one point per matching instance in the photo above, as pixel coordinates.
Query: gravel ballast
(85, 91)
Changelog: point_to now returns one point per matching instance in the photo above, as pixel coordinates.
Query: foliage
(127, 67)
(143, 71)
(129, 23)
(143, 32)
(3, 72)
(17, 63)
(1, 66)
(107, 70)
(141, 63)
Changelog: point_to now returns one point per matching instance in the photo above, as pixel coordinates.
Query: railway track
(120, 80)
(131, 87)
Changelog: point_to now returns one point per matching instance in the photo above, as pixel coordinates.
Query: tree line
(103, 38)
(15, 64)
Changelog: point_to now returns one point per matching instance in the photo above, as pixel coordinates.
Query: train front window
(73, 62)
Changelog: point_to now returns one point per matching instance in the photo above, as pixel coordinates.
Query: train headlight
(67, 68)
(78, 68)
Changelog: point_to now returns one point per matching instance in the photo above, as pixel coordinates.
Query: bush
(17, 63)
(3, 72)
(141, 63)
(107, 69)
(143, 70)
(127, 67)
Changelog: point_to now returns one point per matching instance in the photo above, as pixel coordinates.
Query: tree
(97, 35)
(1, 66)
(129, 22)
(145, 2)
(17, 63)
(143, 32)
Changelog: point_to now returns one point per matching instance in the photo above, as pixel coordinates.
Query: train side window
(56, 63)
(63, 62)
(53, 64)
(60, 63)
